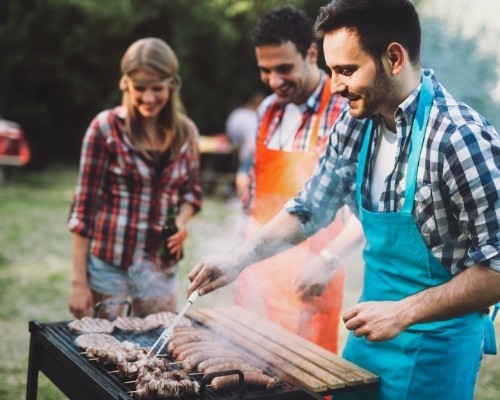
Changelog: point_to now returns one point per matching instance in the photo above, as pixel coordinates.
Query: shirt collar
(314, 100)
(408, 107)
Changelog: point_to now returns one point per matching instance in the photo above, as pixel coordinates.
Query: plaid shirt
(120, 198)
(457, 197)
(305, 129)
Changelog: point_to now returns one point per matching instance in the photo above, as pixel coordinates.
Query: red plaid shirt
(121, 198)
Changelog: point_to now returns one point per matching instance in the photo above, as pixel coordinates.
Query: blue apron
(435, 360)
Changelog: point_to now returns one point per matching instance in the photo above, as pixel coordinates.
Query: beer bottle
(168, 229)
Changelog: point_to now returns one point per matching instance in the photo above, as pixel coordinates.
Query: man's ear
(312, 53)
(396, 57)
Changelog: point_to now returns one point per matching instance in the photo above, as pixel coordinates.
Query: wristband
(330, 258)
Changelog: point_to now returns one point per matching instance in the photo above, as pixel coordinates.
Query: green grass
(35, 263)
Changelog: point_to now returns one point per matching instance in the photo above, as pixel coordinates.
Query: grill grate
(62, 339)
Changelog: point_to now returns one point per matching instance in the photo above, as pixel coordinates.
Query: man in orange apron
(294, 125)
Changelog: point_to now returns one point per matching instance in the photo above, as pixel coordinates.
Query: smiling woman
(148, 93)
(139, 161)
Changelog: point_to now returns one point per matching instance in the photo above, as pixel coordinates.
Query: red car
(14, 148)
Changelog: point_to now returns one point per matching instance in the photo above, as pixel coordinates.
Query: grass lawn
(35, 267)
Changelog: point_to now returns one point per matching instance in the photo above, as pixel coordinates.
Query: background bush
(60, 60)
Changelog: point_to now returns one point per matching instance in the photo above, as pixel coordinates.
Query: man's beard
(374, 98)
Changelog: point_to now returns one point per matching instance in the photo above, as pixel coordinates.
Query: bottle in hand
(168, 229)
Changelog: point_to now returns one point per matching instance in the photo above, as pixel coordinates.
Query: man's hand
(376, 320)
(313, 279)
(213, 272)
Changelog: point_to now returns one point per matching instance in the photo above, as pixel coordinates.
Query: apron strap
(266, 122)
(417, 137)
(490, 345)
(416, 141)
(495, 311)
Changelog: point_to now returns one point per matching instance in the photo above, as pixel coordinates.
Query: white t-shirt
(282, 138)
(384, 162)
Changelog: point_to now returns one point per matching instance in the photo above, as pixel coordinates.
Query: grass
(35, 263)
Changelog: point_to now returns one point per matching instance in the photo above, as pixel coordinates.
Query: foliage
(60, 63)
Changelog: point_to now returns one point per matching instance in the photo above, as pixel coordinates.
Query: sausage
(251, 379)
(185, 330)
(242, 366)
(180, 333)
(214, 349)
(218, 360)
(192, 361)
(179, 340)
(184, 349)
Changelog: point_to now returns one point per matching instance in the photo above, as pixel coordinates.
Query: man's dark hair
(283, 24)
(377, 22)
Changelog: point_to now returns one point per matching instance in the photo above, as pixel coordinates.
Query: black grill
(53, 352)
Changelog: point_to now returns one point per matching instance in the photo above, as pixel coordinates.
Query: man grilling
(294, 123)
(421, 170)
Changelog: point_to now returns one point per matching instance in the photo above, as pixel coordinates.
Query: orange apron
(266, 287)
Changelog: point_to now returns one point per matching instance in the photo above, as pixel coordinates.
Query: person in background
(421, 170)
(241, 127)
(138, 161)
(294, 123)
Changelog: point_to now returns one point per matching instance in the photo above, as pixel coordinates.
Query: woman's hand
(176, 241)
(80, 300)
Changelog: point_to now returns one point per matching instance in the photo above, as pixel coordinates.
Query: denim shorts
(144, 279)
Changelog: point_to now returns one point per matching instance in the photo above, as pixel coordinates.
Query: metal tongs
(167, 333)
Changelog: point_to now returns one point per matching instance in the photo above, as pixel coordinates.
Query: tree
(60, 61)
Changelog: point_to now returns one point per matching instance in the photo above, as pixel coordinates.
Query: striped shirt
(122, 198)
(457, 196)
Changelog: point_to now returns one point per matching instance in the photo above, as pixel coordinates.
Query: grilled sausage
(251, 379)
(240, 366)
(218, 360)
(178, 340)
(192, 361)
(186, 347)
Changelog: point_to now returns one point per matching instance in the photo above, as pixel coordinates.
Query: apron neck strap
(417, 137)
(266, 122)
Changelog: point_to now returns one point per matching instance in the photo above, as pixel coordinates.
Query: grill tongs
(165, 336)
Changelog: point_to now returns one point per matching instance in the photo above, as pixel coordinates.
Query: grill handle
(208, 378)
(113, 303)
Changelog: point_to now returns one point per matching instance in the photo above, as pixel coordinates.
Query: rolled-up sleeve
(472, 176)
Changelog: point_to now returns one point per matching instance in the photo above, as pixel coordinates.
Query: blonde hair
(155, 56)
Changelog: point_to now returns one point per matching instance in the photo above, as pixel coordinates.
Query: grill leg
(32, 382)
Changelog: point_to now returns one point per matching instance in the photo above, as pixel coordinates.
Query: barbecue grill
(304, 370)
